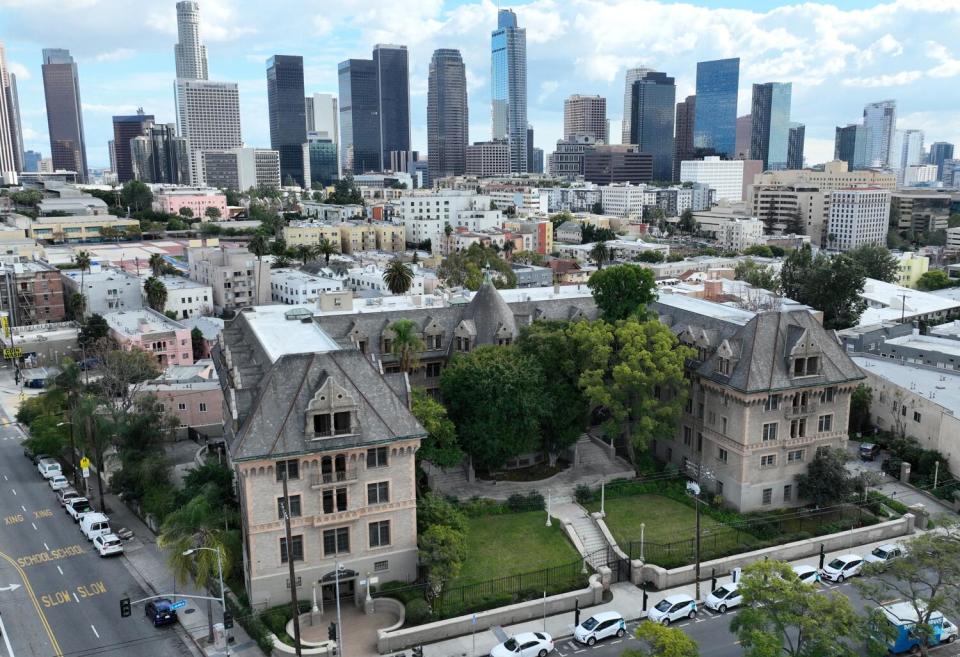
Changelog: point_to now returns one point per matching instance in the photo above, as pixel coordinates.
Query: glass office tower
(715, 122)
(651, 126)
(508, 86)
(61, 88)
(359, 119)
(448, 124)
(287, 109)
(770, 134)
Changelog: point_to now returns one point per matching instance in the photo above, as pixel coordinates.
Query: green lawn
(666, 522)
(513, 543)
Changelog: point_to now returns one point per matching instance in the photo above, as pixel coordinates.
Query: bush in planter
(417, 612)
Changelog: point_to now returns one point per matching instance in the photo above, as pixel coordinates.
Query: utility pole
(293, 574)
(698, 474)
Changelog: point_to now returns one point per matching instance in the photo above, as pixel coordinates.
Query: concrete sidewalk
(627, 599)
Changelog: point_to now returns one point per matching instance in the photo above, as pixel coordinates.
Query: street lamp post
(73, 452)
(223, 602)
(339, 568)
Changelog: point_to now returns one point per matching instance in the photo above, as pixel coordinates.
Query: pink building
(198, 199)
(191, 394)
(146, 329)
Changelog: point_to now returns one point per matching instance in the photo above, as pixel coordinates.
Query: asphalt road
(67, 603)
(712, 633)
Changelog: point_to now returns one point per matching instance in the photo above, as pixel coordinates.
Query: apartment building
(294, 287)
(237, 278)
(858, 216)
(725, 177)
(730, 232)
(105, 290)
(920, 210)
(342, 437)
(425, 216)
(187, 298)
(767, 390)
(190, 393)
(146, 329)
(32, 293)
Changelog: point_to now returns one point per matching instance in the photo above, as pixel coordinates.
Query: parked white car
(58, 482)
(807, 574)
(94, 524)
(600, 626)
(49, 467)
(108, 544)
(673, 608)
(885, 553)
(77, 508)
(724, 597)
(526, 644)
(843, 567)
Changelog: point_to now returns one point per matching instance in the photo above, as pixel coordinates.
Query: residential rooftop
(948, 329)
(928, 343)
(892, 302)
(136, 322)
(712, 309)
(937, 385)
(283, 330)
(180, 283)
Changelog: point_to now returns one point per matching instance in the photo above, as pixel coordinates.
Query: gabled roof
(276, 424)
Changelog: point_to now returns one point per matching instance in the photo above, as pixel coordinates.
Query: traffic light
(227, 620)
(125, 607)
(332, 632)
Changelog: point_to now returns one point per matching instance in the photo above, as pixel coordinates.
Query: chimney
(712, 289)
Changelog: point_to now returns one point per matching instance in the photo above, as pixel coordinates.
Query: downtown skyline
(834, 71)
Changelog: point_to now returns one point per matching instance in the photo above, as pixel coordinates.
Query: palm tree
(508, 247)
(326, 248)
(407, 344)
(156, 264)
(398, 277)
(259, 246)
(447, 232)
(83, 261)
(156, 293)
(305, 253)
(600, 254)
(197, 524)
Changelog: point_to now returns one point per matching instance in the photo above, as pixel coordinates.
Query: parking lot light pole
(223, 602)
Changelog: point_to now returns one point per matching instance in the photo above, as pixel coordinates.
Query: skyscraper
(795, 146)
(323, 117)
(190, 54)
(744, 131)
(508, 85)
(374, 108)
(448, 124)
(125, 129)
(160, 156)
(324, 166)
(288, 123)
(770, 135)
(940, 151)
(908, 149)
(651, 125)
(880, 122)
(393, 82)
(715, 122)
(683, 144)
(31, 160)
(529, 145)
(585, 115)
(10, 117)
(632, 75)
(208, 116)
(61, 88)
(850, 145)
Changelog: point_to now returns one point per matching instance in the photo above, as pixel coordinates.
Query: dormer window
(387, 345)
(807, 366)
(463, 344)
(331, 412)
(503, 342)
(723, 366)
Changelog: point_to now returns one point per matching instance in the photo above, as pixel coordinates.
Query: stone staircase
(594, 543)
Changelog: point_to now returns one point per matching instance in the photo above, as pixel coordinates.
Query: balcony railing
(801, 409)
(335, 477)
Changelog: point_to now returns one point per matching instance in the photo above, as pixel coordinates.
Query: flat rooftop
(937, 385)
(180, 283)
(280, 331)
(703, 307)
(947, 329)
(927, 343)
(891, 302)
(135, 322)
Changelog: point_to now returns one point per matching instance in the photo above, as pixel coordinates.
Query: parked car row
(93, 525)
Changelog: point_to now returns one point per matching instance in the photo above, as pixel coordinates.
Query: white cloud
(21, 71)
(948, 67)
(547, 88)
(95, 108)
(886, 80)
(115, 55)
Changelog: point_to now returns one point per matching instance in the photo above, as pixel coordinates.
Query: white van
(94, 524)
(49, 468)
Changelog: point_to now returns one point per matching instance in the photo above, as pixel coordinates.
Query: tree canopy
(622, 291)
(934, 280)
(440, 447)
(829, 283)
(136, 195)
(757, 275)
(466, 268)
(876, 261)
(826, 480)
(495, 422)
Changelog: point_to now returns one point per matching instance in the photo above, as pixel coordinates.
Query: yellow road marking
(58, 652)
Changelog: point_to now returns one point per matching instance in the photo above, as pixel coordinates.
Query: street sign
(86, 473)
(178, 604)
(12, 352)
(84, 462)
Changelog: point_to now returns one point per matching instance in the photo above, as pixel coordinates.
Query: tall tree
(136, 196)
(600, 254)
(622, 291)
(927, 578)
(157, 264)
(156, 293)
(494, 422)
(440, 447)
(93, 331)
(826, 481)
(305, 253)
(860, 402)
(212, 212)
(82, 259)
(398, 277)
(407, 345)
(759, 276)
(197, 343)
(783, 617)
(829, 283)
(877, 262)
(326, 248)
(639, 381)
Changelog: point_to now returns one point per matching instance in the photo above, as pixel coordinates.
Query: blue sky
(839, 56)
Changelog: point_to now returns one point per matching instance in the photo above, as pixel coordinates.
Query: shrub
(417, 612)
(582, 494)
(400, 591)
(529, 502)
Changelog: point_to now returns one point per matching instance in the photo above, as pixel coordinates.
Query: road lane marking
(14, 490)
(60, 569)
(76, 598)
(58, 652)
(46, 547)
(5, 478)
(34, 526)
(24, 508)
(95, 631)
(6, 639)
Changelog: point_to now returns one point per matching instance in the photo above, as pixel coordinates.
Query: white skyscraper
(8, 164)
(322, 116)
(633, 74)
(879, 122)
(208, 116)
(8, 88)
(190, 54)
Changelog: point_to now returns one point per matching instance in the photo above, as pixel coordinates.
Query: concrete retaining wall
(667, 579)
(391, 641)
(608, 537)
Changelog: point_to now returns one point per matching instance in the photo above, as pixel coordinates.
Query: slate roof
(762, 348)
(276, 424)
